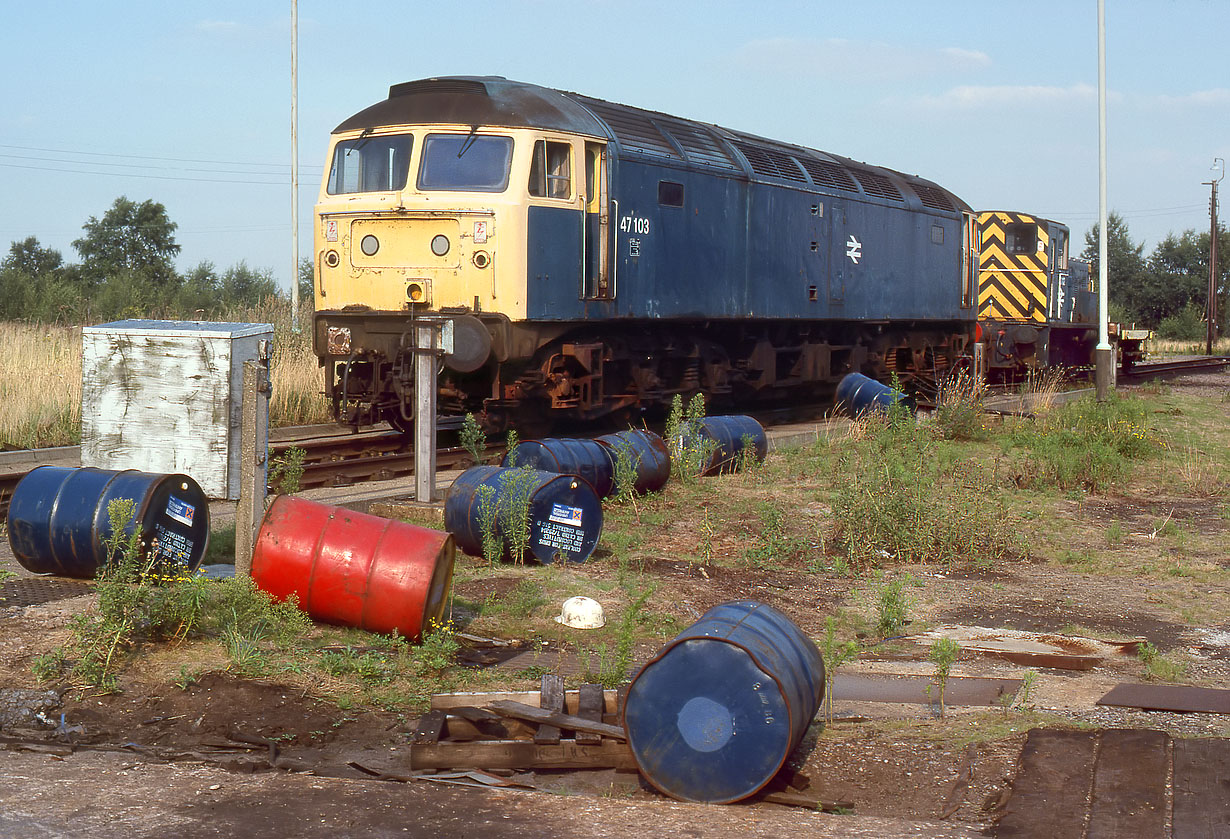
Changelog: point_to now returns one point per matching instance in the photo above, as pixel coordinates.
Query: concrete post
(425, 361)
(253, 466)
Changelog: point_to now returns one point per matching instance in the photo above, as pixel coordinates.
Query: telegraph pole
(1210, 334)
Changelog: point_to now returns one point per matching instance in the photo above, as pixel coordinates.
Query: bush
(1187, 324)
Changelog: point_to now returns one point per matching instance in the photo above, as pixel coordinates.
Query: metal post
(294, 165)
(1103, 354)
(1210, 334)
(253, 468)
(425, 360)
(980, 365)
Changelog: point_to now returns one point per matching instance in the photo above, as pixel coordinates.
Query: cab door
(598, 283)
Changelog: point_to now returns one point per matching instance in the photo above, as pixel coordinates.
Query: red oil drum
(353, 569)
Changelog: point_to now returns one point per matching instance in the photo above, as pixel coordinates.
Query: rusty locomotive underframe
(535, 372)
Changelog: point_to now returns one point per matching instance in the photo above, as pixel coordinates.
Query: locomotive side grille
(633, 128)
(931, 197)
(873, 183)
(1011, 285)
(769, 162)
(827, 174)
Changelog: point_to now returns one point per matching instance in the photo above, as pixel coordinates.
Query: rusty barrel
(647, 452)
(721, 441)
(858, 394)
(59, 523)
(352, 568)
(714, 715)
(588, 459)
(564, 513)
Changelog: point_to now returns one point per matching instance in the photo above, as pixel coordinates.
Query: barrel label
(569, 540)
(180, 511)
(173, 546)
(563, 514)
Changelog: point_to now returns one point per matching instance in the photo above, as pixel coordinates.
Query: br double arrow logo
(854, 249)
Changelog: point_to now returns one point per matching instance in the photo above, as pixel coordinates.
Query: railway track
(334, 456)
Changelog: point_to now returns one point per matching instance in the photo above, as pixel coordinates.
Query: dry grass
(40, 379)
(1169, 347)
(40, 386)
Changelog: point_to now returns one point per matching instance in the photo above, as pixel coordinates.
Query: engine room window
(670, 194)
(465, 162)
(937, 234)
(1021, 238)
(551, 170)
(370, 164)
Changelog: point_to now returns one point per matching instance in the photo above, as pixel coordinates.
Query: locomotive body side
(596, 258)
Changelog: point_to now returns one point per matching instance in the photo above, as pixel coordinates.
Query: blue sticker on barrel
(564, 514)
(180, 511)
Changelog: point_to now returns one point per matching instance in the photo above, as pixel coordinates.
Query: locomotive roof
(638, 133)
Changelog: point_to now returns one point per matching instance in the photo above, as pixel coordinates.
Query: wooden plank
(1129, 785)
(431, 726)
(521, 754)
(551, 698)
(590, 708)
(1201, 780)
(448, 701)
(1050, 793)
(568, 721)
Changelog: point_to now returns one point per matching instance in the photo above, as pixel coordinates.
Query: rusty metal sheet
(1201, 789)
(1169, 698)
(31, 591)
(1129, 785)
(1050, 795)
(866, 687)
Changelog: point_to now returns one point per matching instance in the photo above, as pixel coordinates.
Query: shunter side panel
(1013, 268)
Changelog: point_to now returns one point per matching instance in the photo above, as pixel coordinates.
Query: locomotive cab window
(1021, 238)
(551, 170)
(465, 162)
(670, 194)
(370, 164)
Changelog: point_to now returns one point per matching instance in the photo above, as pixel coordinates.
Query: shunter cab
(1036, 307)
(437, 204)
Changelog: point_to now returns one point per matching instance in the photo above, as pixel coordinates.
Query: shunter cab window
(370, 164)
(465, 162)
(551, 170)
(670, 194)
(1021, 238)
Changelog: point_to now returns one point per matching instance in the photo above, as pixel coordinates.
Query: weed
(691, 450)
(1082, 560)
(187, 677)
(627, 464)
(522, 600)
(748, 461)
(958, 412)
(834, 655)
(943, 653)
(1114, 533)
(286, 470)
(773, 543)
(439, 647)
(488, 525)
(893, 606)
(473, 438)
(706, 537)
(612, 666)
(1158, 666)
(511, 441)
(513, 513)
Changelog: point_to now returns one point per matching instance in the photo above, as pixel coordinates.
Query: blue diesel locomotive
(594, 259)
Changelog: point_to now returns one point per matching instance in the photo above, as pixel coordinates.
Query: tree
(1128, 277)
(307, 282)
(32, 259)
(130, 237)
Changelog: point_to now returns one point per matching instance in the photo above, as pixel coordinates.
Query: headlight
(439, 244)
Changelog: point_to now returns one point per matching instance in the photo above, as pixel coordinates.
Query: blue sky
(188, 103)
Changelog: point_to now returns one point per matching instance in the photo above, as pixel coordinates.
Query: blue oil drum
(649, 455)
(725, 438)
(857, 395)
(565, 514)
(565, 456)
(716, 713)
(58, 520)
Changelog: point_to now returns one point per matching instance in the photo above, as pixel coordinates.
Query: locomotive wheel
(394, 418)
